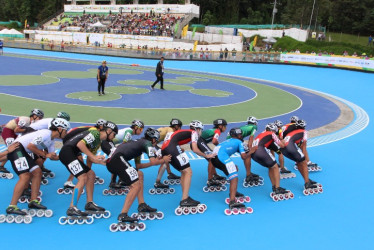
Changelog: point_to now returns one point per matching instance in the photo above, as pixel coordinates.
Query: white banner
(338, 61)
(80, 37)
(97, 38)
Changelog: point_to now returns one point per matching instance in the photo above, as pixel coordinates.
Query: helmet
(294, 119)
(278, 123)
(100, 122)
(195, 124)
(111, 125)
(59, 123)
(252, 120)
(151, 133)
(235, 132)
(301, 123)
(218, 122)
(175, 121)
(138, 123)
(38, 113)
(63, 115)
(271, 127)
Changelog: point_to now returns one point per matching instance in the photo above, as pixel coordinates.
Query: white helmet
(271, 127)
(59, 123)
(195, 124)
(252, 120)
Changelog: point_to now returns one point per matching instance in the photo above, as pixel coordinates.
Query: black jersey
(90, 137)
(73, 132)
(135, 148)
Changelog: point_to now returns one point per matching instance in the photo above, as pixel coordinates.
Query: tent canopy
(98, 24)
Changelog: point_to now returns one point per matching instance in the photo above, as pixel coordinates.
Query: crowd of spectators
(151, 24)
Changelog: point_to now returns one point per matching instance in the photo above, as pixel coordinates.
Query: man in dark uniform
(102, 76)
(159, 74)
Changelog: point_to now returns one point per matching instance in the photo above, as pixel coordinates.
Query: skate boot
(280, 194)
(219, 178)
(99, 180)
(236, 208)
(125, 223)
(75, 216)
(190, 206)
(160, 188)
(26, 196)
(239, 198)
(253, 180)
(312, 187)
(35, 208)
(14, 214)
(68, 188)
(146, 212)
(286, 174)
(312, 167)
(47, 173)
(172, 179)
(116, 189)
(213, 185)
(96, 211)
(5, 174)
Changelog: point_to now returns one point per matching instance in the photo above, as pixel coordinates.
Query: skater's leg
(130, 197)
(233, 188)
(281, 160)
(70, 178)
(36, 177)
(141, 188)
(247, 164)
(90, 185)
(161, 172)
(82, 180)
(303, 169)
(22, 183)
(274, 175)
(211, 170)
(186, 182)
(168, 168)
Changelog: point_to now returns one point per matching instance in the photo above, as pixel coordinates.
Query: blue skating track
(340, 218)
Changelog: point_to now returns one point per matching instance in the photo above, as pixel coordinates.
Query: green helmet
(63, 115)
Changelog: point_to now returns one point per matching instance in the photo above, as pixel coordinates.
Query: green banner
(176, 28)
(193, 31)
(251, 46)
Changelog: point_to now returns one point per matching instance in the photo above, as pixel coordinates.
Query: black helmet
(37, 112)
(138, 123)
(151, 133)
(235, 132)
(218, 122)
(111, 125)
(301, 124)
(175, 121)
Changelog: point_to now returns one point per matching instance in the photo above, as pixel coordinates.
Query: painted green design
(211, 92)
(26, 80)
(92, 96)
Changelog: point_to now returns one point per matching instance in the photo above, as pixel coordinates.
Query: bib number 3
(183, 159)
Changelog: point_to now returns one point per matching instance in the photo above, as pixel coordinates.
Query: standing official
(159, 74)
(102, 76)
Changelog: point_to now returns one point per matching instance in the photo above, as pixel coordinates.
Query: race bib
(158, 153)
(133, 174)
(231, 168)
(287, 139)
(216, 149)
(183, 159)
(21, 164)
(38, 140)
(269, 153)
(255, 143)
(89, 138)
(127, 137)
(75, 167)
(245, 146)
(151, 151)
(9, 141)
(168, 136)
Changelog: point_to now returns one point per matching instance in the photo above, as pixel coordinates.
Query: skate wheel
(315, 190)
(275, 198)
(80, 221)
(60, 191)
(101, 181)
(113, 227)
(172, 182)
(143, 217)
(228, 211)
(224, 188)
(160, 215)
(281, 197)
(311, 191)
(178, 211)
(305, 192)
(120, 192)
(227, 200)
(200, 209)
(45, 182)
(62, 220)
(203, 206)
(206, 189)
(106, 214)
(10, 219)
(193, 210)
(172, 191)
(241, 199)
(165, 191)
(22, 199)
(141, 226)
(166, 182)
(247, 199)
(178, 182)
(112, 192)
(122, 228)
(249, 210)
(32, 212)
(39, 199)
(211, 189)
(151, 216)
(39, 213)
(89, 220)
(242, 210)
(18, 219)
(292, 195)
(52, 175)
(217, 189)
(2, 218)
(67, 191)
(99, 216)
(132, 227)
(235, 211)
(186, 211)
(152, 191)
(320, 190)
(9, 176)
(245, 184)
(158, 191)
(27, 219)
(71, 221)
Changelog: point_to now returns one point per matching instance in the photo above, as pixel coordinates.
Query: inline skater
(18, 126)
(165, 133)
(262, 145)
(119, 165)
(26, 168)
(86, 142)
(223, 162)
(295, 153)
(180, 161)
(283, 170)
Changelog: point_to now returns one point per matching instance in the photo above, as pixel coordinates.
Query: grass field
(347, 38)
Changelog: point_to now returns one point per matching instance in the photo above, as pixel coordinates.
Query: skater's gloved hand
(53, 156)
(13, 147)
(99, 159)
(166, 158)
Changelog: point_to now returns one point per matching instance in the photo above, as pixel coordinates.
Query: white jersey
(42, 139)
(41, 124)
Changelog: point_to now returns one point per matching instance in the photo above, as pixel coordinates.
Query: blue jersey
(229, 147)
(103, 70)
(1, 44)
